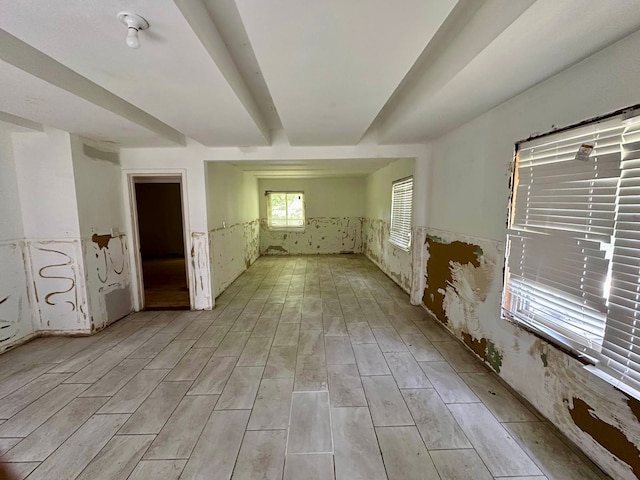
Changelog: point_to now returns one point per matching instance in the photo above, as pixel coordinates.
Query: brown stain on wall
(634, 405)
(611, 438)
(485, 349)
(101, 240)
(439, 274)
(478, 346)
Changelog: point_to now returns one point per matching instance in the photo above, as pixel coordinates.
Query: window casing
(285, 210)
(573, 245)
(401, 213)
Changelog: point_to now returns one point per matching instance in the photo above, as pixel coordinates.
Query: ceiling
(335, 167)
(240, 72)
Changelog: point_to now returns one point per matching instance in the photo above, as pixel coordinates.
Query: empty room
(320, 240)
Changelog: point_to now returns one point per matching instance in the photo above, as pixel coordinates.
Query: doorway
(160, 223)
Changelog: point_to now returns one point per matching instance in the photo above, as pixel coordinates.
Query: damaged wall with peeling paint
(104, 247)
(53, 259)
(334, 211)
(16, 309)
(464, 253)
(393, 261)
(232, 210)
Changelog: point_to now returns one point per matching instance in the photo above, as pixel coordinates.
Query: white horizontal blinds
(561, 227)
(621, 347)
(401, 213)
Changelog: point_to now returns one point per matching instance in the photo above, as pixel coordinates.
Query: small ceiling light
(134, 24)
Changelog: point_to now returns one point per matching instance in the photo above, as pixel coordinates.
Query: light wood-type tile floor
(309, 368)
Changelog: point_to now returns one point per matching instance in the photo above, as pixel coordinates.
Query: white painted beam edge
(200, 21)
(31, 60)
(21, 122)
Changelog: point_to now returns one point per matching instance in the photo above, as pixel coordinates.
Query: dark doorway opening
(161, 234)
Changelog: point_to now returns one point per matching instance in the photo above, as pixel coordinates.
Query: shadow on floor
(165, 284)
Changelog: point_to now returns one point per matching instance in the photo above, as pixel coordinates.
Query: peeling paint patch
(610, 437)
(101, 240)
(478, 346)
(494, 356)
(634, 405)
(485, 349)
(543, 357)
(276, 250)
(396, 263)
(321, 235)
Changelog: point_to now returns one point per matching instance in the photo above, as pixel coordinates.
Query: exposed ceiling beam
(197, 15)
(20, 122)
(473, 26)
(23, 56)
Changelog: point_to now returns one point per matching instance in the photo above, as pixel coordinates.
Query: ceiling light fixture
(134, 24)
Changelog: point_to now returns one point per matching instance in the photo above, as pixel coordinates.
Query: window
(573, 246)
(285, 210)
(401, 203)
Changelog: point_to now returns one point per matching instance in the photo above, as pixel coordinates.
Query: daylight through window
(285, 209)
(401, 213)
(573, 246)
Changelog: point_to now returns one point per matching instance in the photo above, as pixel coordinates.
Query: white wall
(16, 309)
(466, 230)
(395, 262)
(334, 211)
(190, 162)
(187, 163)
(54, 258)
(98, 190)
(232, 195)
(324, 197)
(232, 208)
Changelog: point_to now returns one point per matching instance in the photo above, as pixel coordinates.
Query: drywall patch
(610, 437)
(117, 303)
(445, 259)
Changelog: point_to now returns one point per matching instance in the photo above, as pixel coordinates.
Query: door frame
(145, 176)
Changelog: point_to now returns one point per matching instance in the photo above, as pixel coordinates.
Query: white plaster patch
(200, 276)
(15, 310)
(58, 276)
(108, 271)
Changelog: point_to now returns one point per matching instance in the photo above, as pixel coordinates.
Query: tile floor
(308, 368)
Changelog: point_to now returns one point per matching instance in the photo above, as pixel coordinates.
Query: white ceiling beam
(197, 16)
(21, 122)
(473, 26)
(28, 59)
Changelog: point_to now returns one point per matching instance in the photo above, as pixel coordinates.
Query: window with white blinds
(401, 213)
(573, 246)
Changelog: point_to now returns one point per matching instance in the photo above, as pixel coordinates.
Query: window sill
(589, 363)
(286, 229)
(400, 247)
(555, 340)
